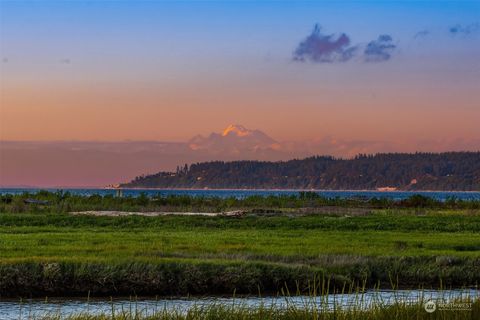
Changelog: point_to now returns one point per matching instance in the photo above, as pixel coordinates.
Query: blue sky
(374, 76)
(224, 62)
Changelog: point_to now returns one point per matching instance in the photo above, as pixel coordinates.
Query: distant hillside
(419, 171)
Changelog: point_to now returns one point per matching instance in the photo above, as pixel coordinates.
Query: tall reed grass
(317, 305)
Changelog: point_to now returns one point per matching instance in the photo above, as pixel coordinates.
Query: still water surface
(31, 309)
(394, 195)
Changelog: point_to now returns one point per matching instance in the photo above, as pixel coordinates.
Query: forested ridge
(416, 171)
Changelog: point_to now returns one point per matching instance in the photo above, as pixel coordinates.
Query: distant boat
(386, 189)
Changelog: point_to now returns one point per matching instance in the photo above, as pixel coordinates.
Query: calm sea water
(394, 195)
(32, 309)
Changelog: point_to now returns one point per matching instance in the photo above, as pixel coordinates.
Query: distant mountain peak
(236, 129)
(235, 139)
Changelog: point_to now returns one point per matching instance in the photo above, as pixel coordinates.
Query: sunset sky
(406, 72)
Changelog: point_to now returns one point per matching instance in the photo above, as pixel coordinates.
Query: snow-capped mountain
(235, 139)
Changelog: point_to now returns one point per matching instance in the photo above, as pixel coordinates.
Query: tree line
(403, 171)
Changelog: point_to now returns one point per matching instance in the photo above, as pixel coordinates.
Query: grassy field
(28, 237)
(279, 242)
(44, 251)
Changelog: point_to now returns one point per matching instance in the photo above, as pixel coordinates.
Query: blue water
(63, 308)
(394, 195)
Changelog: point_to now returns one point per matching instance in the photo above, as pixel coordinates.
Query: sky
(406, 73)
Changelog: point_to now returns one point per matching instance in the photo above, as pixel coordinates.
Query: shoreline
(242, 189)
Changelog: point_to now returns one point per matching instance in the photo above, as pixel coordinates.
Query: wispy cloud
(459, 29)
(421, 34)
(324, 48)
(379, 50)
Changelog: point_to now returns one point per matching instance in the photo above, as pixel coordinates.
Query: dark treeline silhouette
(418, 171)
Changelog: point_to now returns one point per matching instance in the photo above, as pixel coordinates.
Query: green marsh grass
(65, 202)
(46, 251)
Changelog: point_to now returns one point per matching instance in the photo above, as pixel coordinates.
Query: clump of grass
(400, 245)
